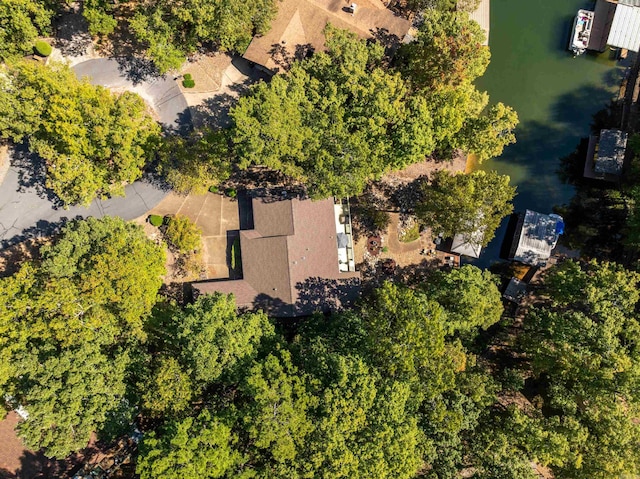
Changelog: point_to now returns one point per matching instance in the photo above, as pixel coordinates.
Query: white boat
(581, 32)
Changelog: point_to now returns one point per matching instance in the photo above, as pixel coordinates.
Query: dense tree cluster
(21, 22)
(71, 325)
(93, 142)
(471, 205)
(341, 118)
(198, 162)
(390, 388)
(584, 353)
(172, 30)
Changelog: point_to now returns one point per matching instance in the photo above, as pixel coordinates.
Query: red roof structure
(290, 261)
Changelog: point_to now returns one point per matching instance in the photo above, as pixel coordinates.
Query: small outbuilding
(535, 237)
(516, 291)
(605, 155)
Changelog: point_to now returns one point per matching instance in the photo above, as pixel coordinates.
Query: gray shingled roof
(611, 150)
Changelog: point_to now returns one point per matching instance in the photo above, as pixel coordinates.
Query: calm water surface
(554, 94)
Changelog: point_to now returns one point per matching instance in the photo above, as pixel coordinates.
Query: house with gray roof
(296, 260)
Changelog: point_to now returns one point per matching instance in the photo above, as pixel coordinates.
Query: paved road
(162, 93)
(25, 209)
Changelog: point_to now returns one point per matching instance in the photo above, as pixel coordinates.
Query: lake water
(554, 94)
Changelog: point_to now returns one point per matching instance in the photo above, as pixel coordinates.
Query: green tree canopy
(99, 16)
(195, 164)
(583, 345)
(486, 135)
(93, 142)
(469, 295)
(471, 205)
(68, 324)
(171, 30)
(21, 22)
(200, 447)
(213, 339)
(448, 51)
(183, 234)
(334, 121)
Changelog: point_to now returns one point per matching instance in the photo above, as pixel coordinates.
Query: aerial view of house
(300, 239)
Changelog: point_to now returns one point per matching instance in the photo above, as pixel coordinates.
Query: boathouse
(625, 28)
(536, 236)
(605, 155)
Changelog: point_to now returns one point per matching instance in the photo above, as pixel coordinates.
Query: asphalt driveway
(162, 93)
(27, 211)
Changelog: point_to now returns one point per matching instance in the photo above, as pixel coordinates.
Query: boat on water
(581, 32)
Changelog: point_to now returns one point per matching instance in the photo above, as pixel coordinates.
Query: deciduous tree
(172, 30)
(68, 325)
(21, 22)
(471, 205)
(213, 339)
(93, 142)
(335, 121)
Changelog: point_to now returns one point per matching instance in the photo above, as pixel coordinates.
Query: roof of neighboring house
(611, 151)
(536, 237)
(290, 260)
(299, 24)
(482, 15)
(625, 29)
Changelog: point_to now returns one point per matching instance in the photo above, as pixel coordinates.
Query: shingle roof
(290, 260)
(299, 26)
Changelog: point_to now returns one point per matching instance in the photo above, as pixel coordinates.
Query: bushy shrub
(236, 260)
(187, 81)
(183, 234)
(155, 220)
(232, 193)
(213, 189)
(42, 48)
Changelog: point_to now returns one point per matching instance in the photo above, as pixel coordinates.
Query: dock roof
(482, 15)
(611, 151)
(625, 29)
(536, 238)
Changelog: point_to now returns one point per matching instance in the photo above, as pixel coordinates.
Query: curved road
(25, 210)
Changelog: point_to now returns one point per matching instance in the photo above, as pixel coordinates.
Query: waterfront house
(297, 259)
(298, 29)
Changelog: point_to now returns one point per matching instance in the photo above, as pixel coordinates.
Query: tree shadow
(390, 41)
(283, 57)
(72, 34)
(326, 295)
(32, 174)
(41, 229)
